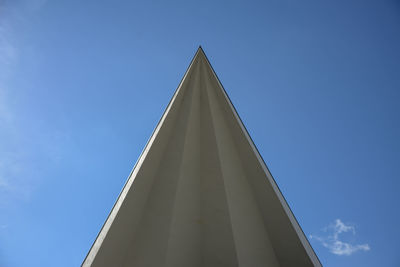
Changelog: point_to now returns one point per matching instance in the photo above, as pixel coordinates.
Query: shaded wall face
(199, 195)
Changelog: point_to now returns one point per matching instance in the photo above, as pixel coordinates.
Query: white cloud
(14, 160)
(8, 51)
(11, 15)
(334, 244)
(3, 182)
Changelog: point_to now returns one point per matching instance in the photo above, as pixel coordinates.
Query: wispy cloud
(8, 59)
(3, 182)
(14, 162)
(8, 47)
(332, 239)
(8, 51)
(12, 14)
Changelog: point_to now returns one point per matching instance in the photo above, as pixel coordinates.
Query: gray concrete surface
(200, 194)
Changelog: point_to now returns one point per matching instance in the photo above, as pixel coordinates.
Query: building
(200, 193)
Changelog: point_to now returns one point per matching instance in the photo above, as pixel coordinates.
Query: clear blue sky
(84, 83)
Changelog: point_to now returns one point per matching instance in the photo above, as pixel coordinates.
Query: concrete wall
(200, 194)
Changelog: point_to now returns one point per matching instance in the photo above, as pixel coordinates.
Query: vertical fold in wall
(251, 239)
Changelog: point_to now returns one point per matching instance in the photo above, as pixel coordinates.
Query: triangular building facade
(200, 193)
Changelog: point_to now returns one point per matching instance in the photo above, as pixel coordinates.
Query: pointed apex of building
(200, 51)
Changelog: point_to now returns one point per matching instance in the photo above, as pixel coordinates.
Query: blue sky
(84, 83)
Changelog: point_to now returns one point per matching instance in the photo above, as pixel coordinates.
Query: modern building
(200, 194)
